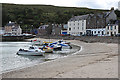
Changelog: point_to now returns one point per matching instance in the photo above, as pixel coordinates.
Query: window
(69, 29)
(74, 27)
(115, 27)
(80, 33)
(98, 31)
(95, 32)
(107, 32)
(111, 27)
(82, 28)
(70, 24)
(82, 24)
(78, 23)
(88, 23)
(102, 33)
(78, 27)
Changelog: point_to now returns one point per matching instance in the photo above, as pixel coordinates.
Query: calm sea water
(9, 60)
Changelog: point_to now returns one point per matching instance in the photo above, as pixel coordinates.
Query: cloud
(98, 4)
(95, 4)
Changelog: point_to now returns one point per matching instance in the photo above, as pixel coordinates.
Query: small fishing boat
(56, 47)
(47, 49)
(47, 42)
(63, 42)
(32, 51)
(65, 46)
(37, 42)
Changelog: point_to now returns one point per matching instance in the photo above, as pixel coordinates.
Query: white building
(119, 5)
(16, 30)
(96, 32)
(77, 25)
(112, 30)
(2, 31)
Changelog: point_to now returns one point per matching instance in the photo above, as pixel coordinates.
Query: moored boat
(47, 49)
(32, 51)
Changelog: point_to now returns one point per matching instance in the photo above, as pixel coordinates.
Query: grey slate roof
(77, 18)
(10, 24)
(106, 13)
(84, 17)
(15, 27)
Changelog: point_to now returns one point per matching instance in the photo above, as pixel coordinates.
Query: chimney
(112, 8)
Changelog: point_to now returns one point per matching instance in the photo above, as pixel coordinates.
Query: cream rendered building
(77, 25)
(112, 30)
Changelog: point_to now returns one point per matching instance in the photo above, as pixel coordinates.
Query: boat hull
(48, 50)
(57, 49)
(30, 53)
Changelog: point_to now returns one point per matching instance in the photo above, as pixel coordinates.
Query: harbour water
(9, 60)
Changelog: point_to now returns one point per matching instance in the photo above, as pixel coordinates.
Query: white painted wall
(17, 31)
(77, 27)
(111, 29)
(2, 32)
(98, 32)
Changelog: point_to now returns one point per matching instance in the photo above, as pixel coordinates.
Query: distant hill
(36, 15)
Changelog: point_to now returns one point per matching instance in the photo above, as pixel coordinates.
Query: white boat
(63, 42)
(65, 46)
(32, 51)
(36, 42)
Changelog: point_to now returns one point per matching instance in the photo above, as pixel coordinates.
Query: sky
(94, 4)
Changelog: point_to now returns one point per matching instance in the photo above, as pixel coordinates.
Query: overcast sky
(95, 4)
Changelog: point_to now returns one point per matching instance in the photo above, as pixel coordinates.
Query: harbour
(59, 40)
(93, 60)
(10, 60)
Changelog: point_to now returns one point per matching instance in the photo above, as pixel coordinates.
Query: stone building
(42, 30)
(56, 29)
(13, 28)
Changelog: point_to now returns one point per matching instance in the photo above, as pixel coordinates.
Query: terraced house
(13, 28)
(91, 24)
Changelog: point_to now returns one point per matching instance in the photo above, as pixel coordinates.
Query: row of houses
(57, 29)
(99, 24)
(11, 28)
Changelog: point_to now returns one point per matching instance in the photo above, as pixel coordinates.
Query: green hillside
(27, 15)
